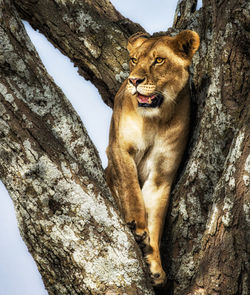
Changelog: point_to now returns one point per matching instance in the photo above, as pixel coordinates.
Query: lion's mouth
(152, 101)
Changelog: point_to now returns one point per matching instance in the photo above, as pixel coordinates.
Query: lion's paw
(157, 274)
(141, 235)
(158, 279)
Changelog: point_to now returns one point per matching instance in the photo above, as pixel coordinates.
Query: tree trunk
(51, 169)
(54, 176)
(206, 234)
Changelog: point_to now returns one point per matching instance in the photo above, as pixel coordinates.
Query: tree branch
(65, 212)
(183, 12)
(91, 33)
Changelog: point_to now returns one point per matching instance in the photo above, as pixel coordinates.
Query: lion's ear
(136, 40)
(187, 43)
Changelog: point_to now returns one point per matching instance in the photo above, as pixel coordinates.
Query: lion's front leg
(122, 170)
(156, 198)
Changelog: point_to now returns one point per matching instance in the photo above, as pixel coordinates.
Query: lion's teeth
(149, 100)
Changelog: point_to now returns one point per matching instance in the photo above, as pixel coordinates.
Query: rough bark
(206, 236)
(52, 171)
(205, 241)
(91, 33)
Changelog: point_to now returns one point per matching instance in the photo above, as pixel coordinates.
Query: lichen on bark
(206, 221)
(52, 171)
(92, 34)
(204, 246)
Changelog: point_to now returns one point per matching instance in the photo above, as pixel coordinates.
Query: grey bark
(205, 241)
(207, 231)
(91, 33)
(52, 171)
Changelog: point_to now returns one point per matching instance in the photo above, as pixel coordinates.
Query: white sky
(18, 272)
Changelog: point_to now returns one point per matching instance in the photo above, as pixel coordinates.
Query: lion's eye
(159, 60)
(133, 60)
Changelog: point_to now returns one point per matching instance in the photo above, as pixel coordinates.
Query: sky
(18, 271)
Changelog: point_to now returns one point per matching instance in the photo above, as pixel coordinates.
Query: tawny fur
(146, 144)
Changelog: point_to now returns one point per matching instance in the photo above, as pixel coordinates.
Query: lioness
(148, 135)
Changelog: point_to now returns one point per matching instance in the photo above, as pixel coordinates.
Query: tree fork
(205, 241)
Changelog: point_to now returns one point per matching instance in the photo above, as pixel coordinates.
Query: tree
(66, 215)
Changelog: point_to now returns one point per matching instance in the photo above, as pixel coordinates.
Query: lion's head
(159, 68)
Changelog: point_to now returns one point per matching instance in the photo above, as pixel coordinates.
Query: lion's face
(159, 69)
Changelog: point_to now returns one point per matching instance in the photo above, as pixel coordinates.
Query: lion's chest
(132, 133)
(140, 140)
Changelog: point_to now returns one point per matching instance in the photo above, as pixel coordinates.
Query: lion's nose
(136, 81)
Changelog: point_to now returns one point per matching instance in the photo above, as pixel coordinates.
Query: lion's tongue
(145, 99)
